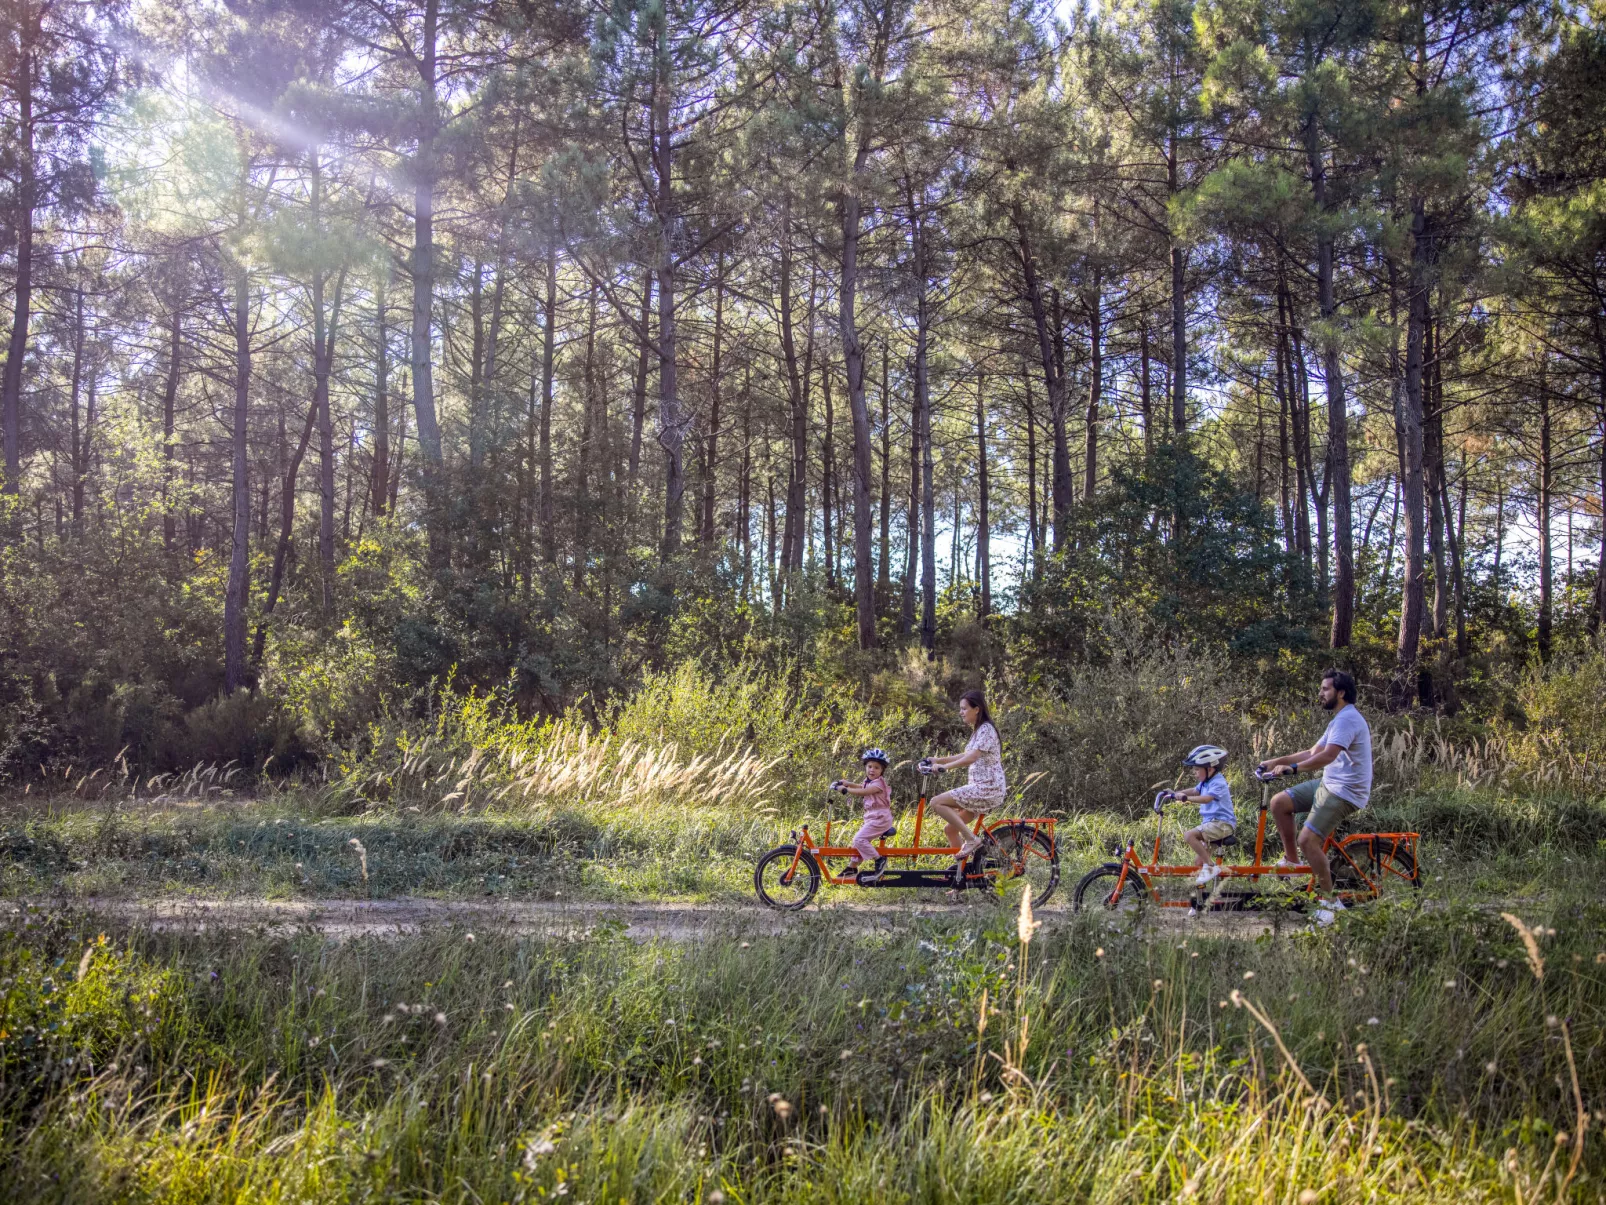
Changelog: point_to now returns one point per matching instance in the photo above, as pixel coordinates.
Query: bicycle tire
(808, 870)
(1133, 892)
(1027, 846)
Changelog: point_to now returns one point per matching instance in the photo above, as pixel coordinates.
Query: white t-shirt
(1349, 775)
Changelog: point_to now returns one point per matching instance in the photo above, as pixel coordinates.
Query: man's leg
(1310, 848)
(1286, 805)
(1328, 812)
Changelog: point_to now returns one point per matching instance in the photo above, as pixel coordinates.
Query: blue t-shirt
(1219, 804)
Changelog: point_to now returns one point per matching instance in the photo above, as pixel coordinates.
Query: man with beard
(1344, 756)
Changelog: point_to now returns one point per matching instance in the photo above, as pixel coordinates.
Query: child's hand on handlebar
(838, 785)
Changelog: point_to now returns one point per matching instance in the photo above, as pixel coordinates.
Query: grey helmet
(1205, 755)
(876, 754)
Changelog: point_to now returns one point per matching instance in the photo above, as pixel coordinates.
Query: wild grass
(1399, 1053)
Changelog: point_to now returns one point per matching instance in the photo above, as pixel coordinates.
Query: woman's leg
(956, 820)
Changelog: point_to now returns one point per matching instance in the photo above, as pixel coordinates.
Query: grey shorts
(1326, 811)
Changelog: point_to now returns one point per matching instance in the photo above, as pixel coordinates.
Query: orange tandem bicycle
(790, 875)
(1361, 864)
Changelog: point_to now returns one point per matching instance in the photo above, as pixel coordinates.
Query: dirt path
(343, 920)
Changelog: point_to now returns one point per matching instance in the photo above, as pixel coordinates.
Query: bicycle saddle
(1225, 842)
(888, 835)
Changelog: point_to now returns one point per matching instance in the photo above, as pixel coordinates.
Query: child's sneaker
(1208, 873)
(869, 878)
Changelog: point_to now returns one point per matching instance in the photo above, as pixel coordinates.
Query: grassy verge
(1402, 1052)
(1476, 844)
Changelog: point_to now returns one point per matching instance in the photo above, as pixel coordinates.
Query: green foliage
(1177, 546)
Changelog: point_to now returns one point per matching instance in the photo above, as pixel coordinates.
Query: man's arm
(1289, 759)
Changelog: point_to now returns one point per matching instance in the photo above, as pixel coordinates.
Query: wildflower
(986, 1098)
(746, 945)
(1490, 1067)
(440, 1018)
(846, 1055)
(715, 1198)
(1373, 1021)
(1448, 984)
(1248, 975)
(782, 1107)
(1552, 1021)
(469, 937)
(1307, 1197)
(1099, 953)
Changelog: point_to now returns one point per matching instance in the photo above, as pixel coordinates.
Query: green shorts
(1327, 810)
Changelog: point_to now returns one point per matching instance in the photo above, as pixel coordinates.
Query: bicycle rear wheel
(1022, 856)
(779, 886)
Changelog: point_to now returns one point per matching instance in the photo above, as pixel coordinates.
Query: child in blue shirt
(1217, 820)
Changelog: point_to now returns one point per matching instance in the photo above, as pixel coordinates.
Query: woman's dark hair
(979, 702)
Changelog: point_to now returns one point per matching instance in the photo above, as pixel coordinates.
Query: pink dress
(877, 818)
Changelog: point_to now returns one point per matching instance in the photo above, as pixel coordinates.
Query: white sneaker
(1285, 864)
(1327, 911)
(1208, 873)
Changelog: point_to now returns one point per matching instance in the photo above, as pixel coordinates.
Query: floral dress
(985, 790)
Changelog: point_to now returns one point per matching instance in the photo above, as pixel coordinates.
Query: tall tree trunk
(797, 404)
(424, 170)
(983, 558)
(711, 440)
(853, 367)
(379, 481)
(22, 287)
(582, 453)
(1095, 384)
(79, 461)
(928, 500)
(883, 584)
(1543, 505)
(1433, 477)
(175, 351)
(1456, 530)
(1034, 550)
(323, 349)
(1179, 308)
(828, 512)
(1597, 619)
(1409, 422)
(287, 519)
(1338, 466)
(235, 598)
(671, 422)
(911, 564)
(638, 400)
(549, 336)
(1145, 387)
(1053, 375)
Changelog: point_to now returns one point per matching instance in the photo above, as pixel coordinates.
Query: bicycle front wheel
(1022, 856)
(780, 885)
(1103, 888)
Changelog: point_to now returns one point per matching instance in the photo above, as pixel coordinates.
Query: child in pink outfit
(877, 796)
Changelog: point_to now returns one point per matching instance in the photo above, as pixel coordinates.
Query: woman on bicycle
(985, 790)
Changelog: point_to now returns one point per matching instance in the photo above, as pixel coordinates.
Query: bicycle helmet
(1205, 755)
(879, 755)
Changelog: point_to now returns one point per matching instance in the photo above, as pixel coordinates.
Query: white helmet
(1205, 755)
(876, 754)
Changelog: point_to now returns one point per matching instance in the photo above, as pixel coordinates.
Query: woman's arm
(958, 761)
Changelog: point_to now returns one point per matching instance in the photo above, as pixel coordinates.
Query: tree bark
(638, 401)
(884, 564)
(853, 366)
(22, 290)
(1053, 376)
(1179, 310)
(235, 599)
(671, 422)
(1543, 506)
(77, 458)
(379, 480)
(1338, 465)
(911, 568)
(711, 440)
(175, 349)
(1095, 385)
(287, 518)
(1410, 434)
(983, 557)
(549, 335)
(424, 169)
